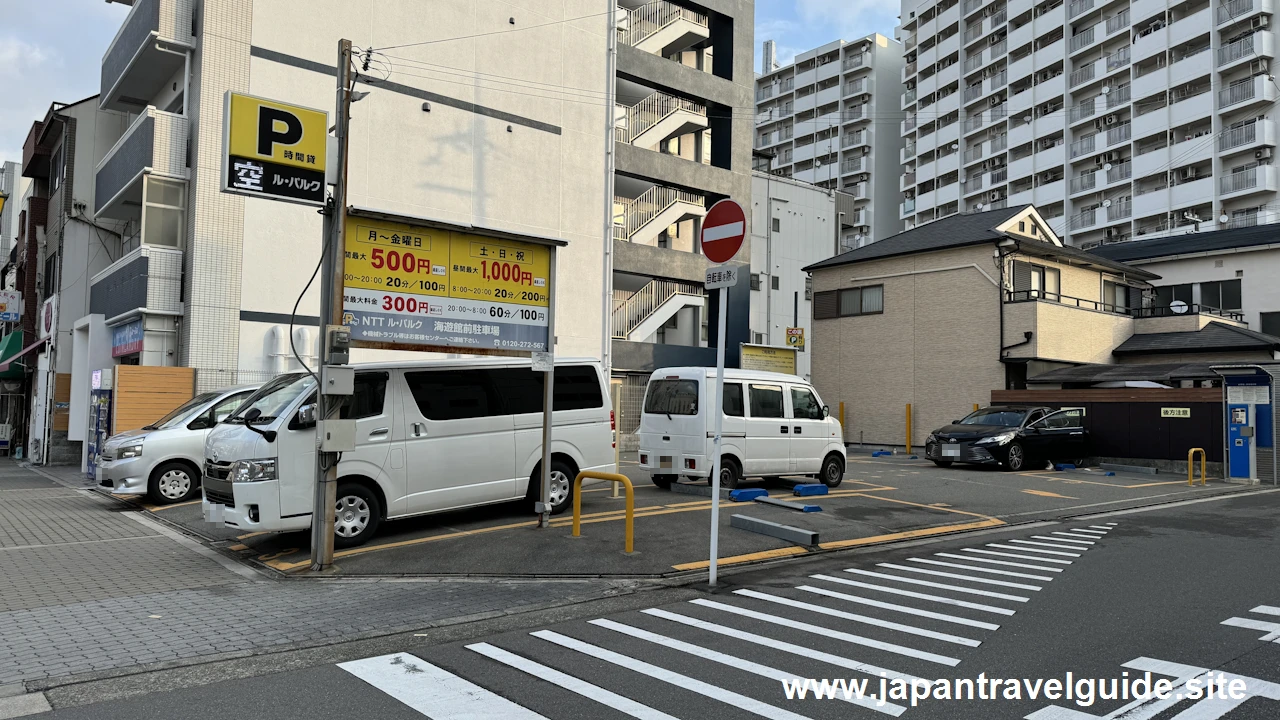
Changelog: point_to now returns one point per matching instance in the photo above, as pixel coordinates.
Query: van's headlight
(1000, 439)
(252, 470)
(931, 440)
(130, 451)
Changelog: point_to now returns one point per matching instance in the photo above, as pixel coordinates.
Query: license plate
(664, 461)
(950, 451)
(213, 513)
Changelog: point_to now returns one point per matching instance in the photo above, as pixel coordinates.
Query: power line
(495, 32)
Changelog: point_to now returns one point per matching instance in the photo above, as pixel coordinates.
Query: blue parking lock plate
(1064, 466)
(807, 490)
(747, 494)
(1109, 474)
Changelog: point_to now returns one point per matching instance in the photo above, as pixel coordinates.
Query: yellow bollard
(975, 407)
(631, 503)
(1191, 466)
(908, 428)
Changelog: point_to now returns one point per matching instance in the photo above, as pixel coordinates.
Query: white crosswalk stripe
(1272, 629)
(729, 660)
(730, 644)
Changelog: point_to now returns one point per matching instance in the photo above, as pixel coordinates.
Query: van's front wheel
(356, 515)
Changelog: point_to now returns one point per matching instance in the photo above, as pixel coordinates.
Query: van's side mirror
(307, 415)
(826, 411)
(955, 422)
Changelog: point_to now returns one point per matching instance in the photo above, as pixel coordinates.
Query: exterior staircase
(659, 117)
(662, 27)
(642, 219)
(638, 315)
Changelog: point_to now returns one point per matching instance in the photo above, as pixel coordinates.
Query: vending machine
(99, 418)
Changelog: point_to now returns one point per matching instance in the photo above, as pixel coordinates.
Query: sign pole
(548, 399)
(331, 283)
(718, 409)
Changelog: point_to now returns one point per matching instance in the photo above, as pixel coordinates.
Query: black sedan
(1015, 437)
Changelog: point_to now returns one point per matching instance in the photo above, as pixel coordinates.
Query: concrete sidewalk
(90, 588)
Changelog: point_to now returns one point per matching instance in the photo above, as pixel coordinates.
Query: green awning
(10, 346)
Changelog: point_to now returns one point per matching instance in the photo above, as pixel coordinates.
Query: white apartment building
(793, 225)
(1116, 118)
(831, 118)
(12, 187)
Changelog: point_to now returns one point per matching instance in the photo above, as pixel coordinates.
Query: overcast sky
(51, 50)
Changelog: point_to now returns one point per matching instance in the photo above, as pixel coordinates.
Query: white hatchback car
(164, 460)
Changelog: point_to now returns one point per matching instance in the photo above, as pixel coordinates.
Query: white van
(774, 424)
(430, 436)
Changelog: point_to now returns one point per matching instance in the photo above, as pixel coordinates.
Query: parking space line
(156, 508)
(838, 661)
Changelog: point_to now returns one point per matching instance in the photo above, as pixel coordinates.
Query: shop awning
(8, 369)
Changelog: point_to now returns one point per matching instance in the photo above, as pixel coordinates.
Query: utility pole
(331, 283)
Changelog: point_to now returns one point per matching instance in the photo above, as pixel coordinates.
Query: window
(755, 281)
(452, 394)
(51, 275)
(1224, 295)
(808, 288)
(804, 406)
(366, 401)
(163, 213)
(672, 397)
(1061, 419)
(1270, 323)
(1035, 281)
(55, 171)
(861, 301)
(1170, 293)
(774, 282)
(520, 390)
(759, 338)
(733, 400)
(777, 224)
(766, 401)
(1117, 297)
(223, 410)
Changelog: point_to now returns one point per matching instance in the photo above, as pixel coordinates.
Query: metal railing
(855, 86)
(1120, 171)
(643, 22)
(973, 183)
(973, 62)
(851, 165)
(1085, 109)
(1246, 218)
(1237, 136)
(909, 124)
(855, 61)
(998, 176)
(1018, 296)
(1166, 311)
(1239, 180)
(1118, 59)
(1119, 95)
(630, 312)
(998, 19)
(1231, 52)
(998, 80)
(1119, 133)
(1084, 219)
(764, 93)
(1075, 7)
(629, 511)
(1083, 74)
(1233, 9)
(973, 92)
(908, 206)
(971, 5)
(1237, 93)
(1084, 145)
(999, 143)
(654, 109)
(1084, 182)
(1120, 209)
(909, 96)
(973, 32)
(788, 84)
(650, 204)
(909, 149)
(1118, 22)
(1081, 39)
(909, 69)
(974, 153)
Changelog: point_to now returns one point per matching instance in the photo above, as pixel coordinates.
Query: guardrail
(1191, 466)
(631, 503)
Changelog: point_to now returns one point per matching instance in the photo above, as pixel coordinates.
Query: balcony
(149, 48)
(1118, 22)
(1083, 219)
(1083, 183)
(36, 156)
(1259, 44)
(852, 165)
(1084, 146)
(1119, 96)
(1086, 109)
(1119, 172)
(1078, 7)
(854, 62)
(1119, 133)
(1121, 209)
(662, 28)
(908, 207)
(1083, 75)
(908, 98)
(1247, 135)
(155, 144)
(1258, 178)
(147, 279)
(661, 117)
(1082, 39)
(1229, 11)
(1247, 92)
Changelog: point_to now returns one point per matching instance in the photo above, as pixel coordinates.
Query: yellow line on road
(1173, 482)
(154, 508)
(237, 547)
(841, 544)
(246, 536)
(1046, 493)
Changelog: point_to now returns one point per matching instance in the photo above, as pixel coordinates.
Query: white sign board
(721, 276)
(1248, 395)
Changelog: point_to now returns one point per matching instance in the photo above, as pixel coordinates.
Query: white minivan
(774, 425)
(431, 436)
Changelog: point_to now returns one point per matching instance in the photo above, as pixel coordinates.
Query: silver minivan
(164, 459)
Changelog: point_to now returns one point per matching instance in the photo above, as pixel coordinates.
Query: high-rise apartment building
(1116, 118)
(831, 118)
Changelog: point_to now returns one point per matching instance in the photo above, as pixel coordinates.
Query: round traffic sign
(723, 230)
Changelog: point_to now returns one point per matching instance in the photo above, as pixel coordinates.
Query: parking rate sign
(723, 230)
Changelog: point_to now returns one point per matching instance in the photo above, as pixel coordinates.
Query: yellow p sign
(274, 150)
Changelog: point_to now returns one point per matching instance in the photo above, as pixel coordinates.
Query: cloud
(18, 57)
(849, 19)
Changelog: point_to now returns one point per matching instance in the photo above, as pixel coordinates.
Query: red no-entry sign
(722, 231)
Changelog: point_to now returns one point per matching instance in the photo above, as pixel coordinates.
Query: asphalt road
(1177, 591)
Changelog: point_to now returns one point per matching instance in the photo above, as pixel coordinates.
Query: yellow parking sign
(795, 337)
(274, 150)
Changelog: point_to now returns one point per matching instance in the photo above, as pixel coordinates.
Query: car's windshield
(180, 414)
(995, 416)
(272, 398)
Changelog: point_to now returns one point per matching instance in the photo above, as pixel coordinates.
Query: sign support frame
(718, 409)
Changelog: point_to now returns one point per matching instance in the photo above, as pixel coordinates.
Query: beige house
(940, 316)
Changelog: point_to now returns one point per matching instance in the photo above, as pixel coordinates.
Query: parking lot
(882, 499)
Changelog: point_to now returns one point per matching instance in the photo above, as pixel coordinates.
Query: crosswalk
(1271, 628)
(728, 654)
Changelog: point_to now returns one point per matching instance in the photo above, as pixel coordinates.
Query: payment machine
(1249, 421)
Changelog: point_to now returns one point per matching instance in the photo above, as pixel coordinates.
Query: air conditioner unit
(995, 195)
(1259, 67)
(1111, 156)
(1111, 232)
(1112, 119)
(1188, 174)
(1100, 160)
(986, 165)
(1260, 22)
(1263, 154)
